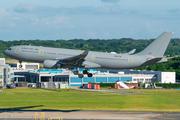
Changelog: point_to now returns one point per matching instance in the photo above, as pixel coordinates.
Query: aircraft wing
(75, 60)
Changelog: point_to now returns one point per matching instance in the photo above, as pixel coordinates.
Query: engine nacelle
(51, 64)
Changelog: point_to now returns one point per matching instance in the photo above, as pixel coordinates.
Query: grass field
(69, 99)
(11, 61)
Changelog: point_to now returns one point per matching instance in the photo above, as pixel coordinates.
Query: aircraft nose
(5, 52)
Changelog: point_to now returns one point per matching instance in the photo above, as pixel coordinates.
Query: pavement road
(86, 115)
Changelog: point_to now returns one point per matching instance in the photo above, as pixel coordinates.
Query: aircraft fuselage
(105, 60)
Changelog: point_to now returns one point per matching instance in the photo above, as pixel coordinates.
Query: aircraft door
(41, 52)
(130, 60)
(93, 58)
(17, 50)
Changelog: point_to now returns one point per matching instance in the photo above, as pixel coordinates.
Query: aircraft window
(29, 51)
(51, 53)
(9, 48)
(65, 54)
(111, 58)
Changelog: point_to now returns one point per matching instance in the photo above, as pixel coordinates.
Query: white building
(168, 77)
(161, 76)
(29, 66)
(5, 74)
(2, 61)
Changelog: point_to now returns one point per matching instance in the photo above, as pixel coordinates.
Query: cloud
(106, 20)
(24, 8)
(110, 1)
(109, 10)
(134, 12)
(8, 18)
(91, 34)
(175, 11)
(51, 11)
(55, 22)
(3, 12)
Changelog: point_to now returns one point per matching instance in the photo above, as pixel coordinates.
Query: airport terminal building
(66, 76)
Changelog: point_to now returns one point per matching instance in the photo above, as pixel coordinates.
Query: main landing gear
(80, 75)
(88, 74)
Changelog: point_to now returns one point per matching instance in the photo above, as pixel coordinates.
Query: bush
(163, 85)
(105, 84)
(168, 85)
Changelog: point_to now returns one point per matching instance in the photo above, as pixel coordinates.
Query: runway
(84, 115)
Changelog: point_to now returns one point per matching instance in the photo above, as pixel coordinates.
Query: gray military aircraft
(69, 58)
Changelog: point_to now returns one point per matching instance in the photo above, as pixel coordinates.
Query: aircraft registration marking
(17, 50)
(93, 58)
(130, 60)
(41, 52)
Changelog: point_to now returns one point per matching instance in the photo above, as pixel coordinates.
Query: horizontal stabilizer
(164, 59)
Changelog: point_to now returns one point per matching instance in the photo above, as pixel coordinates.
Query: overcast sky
(88, 19)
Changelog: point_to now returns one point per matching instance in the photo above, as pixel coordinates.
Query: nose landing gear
(20, 66)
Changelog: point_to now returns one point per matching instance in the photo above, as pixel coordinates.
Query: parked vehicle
(1, 86)
(31, 85)
(10, 86)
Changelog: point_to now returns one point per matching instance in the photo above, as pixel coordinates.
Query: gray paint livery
(70, 58)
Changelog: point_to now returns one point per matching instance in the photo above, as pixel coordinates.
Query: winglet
(132, 51)
(85, 53)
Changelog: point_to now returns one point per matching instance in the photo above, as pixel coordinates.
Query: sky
(88, 19)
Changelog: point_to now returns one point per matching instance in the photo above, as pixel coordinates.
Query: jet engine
(51, 64)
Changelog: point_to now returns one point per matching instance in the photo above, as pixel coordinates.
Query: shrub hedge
(163, 85)
(168, 85)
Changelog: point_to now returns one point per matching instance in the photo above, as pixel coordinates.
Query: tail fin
(158, 47)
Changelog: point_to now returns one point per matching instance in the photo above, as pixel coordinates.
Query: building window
(0, 76)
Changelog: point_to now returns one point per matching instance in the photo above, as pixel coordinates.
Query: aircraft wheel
(20, 66)
(80, 75)
(85, 72)
(76, 72)
(89, 74)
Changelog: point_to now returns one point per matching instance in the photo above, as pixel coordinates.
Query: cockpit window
(9, 48)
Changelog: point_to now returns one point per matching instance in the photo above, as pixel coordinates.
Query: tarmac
(85, 115)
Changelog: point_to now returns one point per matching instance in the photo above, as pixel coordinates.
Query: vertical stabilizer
(158, 47)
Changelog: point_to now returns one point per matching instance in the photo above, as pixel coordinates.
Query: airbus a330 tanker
(69, 58)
